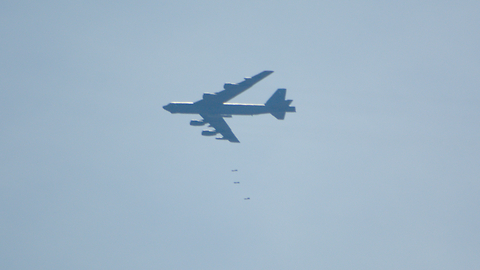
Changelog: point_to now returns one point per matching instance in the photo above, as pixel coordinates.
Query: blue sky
(378, 169)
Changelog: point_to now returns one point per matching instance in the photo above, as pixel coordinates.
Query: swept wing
(232, 90)
(220, 126)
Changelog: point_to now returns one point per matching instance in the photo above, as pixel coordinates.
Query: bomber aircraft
(213, 107)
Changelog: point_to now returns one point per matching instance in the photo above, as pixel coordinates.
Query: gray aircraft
(213, 107)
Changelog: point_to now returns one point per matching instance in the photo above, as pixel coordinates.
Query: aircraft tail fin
(277, 104)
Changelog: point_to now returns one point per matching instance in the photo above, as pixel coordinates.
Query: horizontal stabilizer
(279, 115)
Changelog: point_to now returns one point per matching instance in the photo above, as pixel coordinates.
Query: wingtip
(230, 140)
(263, 74)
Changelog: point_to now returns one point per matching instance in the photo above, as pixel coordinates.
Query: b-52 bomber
(213, 107)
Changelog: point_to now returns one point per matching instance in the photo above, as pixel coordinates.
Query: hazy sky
(378, 169)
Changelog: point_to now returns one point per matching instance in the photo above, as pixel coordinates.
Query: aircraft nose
(166, 107)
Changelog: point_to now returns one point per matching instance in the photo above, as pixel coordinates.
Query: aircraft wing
(232, 90)
(220, 126)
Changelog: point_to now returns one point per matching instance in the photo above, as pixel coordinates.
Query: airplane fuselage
(213, 107)
(222, 109)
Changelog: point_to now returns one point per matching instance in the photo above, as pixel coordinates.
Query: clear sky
(378, 169)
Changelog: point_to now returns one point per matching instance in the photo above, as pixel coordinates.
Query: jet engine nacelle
(209, 96)
(197, 123)
(209, 133)
(229, 86)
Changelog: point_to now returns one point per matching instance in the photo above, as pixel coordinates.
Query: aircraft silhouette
(213, 107)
